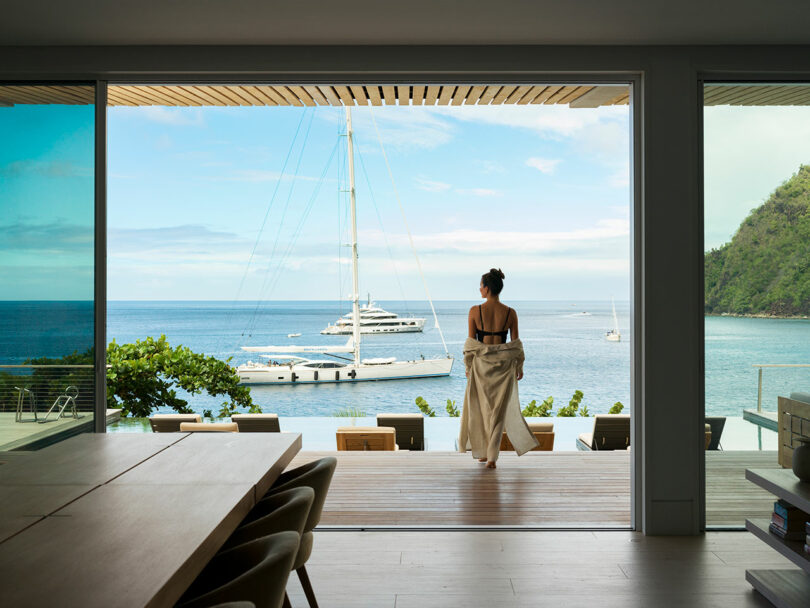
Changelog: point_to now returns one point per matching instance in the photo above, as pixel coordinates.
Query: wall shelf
(783, 588)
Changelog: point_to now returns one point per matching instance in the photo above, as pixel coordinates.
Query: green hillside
(765, 269)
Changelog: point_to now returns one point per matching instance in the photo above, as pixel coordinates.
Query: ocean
(564, 344)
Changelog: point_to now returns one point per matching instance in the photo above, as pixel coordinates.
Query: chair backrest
(256, 572)
(717, 423)
(257, 423)
(286, 511)
(611, 432)
(366, 439)
(170, 423)
(209, 427)
(409, 428)
(543, 432)
(316, 475)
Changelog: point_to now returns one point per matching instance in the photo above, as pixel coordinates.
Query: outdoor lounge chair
(366, 439)
(257, 423)
(716, 423)
(409, 428)
(206, 427)
(542, 431)
(610, 432)
(170, 423)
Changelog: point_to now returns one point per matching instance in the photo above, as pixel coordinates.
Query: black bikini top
(480, 333)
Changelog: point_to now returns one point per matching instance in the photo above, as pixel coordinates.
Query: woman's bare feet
(482, 460)
(490, 465)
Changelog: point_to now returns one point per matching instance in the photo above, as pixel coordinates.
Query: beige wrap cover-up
(491, 404)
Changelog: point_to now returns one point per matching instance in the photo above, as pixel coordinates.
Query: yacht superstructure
(374, 320)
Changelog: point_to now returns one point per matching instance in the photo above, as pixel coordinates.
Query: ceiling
(358, 22)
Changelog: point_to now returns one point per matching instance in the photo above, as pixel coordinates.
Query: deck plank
(540, 489)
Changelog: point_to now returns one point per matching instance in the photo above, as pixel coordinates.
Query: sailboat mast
(355, 277)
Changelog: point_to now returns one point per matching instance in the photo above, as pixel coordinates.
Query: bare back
(494, 319)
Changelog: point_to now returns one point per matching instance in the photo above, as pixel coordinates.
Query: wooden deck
(540, 489)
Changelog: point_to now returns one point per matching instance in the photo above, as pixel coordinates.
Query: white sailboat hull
(305, 374)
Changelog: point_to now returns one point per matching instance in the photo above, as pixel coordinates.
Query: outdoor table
(136, 529)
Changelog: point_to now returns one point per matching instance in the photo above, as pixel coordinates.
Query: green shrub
(425, 408)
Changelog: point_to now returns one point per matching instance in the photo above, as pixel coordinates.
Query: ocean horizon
(563, 339)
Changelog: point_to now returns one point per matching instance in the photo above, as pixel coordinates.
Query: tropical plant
(616, 408)
(572, 408)
(451, 408)
(146, 375)
(425, 408)
(542, 410)
(349, 412)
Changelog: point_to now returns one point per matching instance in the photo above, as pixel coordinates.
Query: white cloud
(482, 192)
(544, 165)
(431, 186)
(402, 127)
(488, 241)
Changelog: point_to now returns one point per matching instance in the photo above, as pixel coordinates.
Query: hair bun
(498, 273)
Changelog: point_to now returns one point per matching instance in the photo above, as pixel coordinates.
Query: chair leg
(286, 603)
(304, 578)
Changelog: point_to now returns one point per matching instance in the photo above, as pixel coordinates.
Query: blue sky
(539, 191)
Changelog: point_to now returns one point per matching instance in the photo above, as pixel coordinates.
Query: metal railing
(45, 393)
(761, 366)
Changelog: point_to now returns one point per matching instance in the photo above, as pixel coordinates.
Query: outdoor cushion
(206, 427)
(257, 423)
(800, 396)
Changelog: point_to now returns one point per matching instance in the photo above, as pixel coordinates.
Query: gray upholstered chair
(256, 572)
(257, 423)
(170, 423)
(316, 475)
(610, 432)
(285, 511)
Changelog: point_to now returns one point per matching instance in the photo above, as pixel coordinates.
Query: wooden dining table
(127, 519)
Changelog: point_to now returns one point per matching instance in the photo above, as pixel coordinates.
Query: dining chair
(256, 572)
(285, 511)
(318, 476)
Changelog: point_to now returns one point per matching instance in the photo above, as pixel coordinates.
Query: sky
(250, 203)
(203, 206)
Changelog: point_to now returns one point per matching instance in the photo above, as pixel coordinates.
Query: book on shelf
(785, 534)
(790, 513)
(795, 525)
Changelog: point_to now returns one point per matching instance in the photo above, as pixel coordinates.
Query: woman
(493, 365)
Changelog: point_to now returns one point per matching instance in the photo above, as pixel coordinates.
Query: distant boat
(293, 335)
(613, 335)
(375, 320)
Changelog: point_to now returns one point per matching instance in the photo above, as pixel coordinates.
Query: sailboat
(613, 335)
(283, 367)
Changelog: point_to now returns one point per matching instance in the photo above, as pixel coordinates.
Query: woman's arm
(515, 335)
(471, 323)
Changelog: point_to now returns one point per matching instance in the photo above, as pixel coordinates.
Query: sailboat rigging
(281, 368)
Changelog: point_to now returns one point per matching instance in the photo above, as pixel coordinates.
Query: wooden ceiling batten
(389, 95)
(345, 96)
(460, 95)
(446, 95)
(301, 94)
(489, 94)
(542, 97)
(474, 95)
(359, 95)
(403, 95)
(330, 94)
(530, 95)
(206, 96)
(503, 94)
(517, 94)
(418, 94)
(317, 95)
(432, 95)
(575, 94)
(374, 95)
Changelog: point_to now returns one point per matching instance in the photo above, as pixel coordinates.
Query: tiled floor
(528, 569)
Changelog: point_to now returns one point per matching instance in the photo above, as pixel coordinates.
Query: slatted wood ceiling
(576, 96)
(582, 96)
